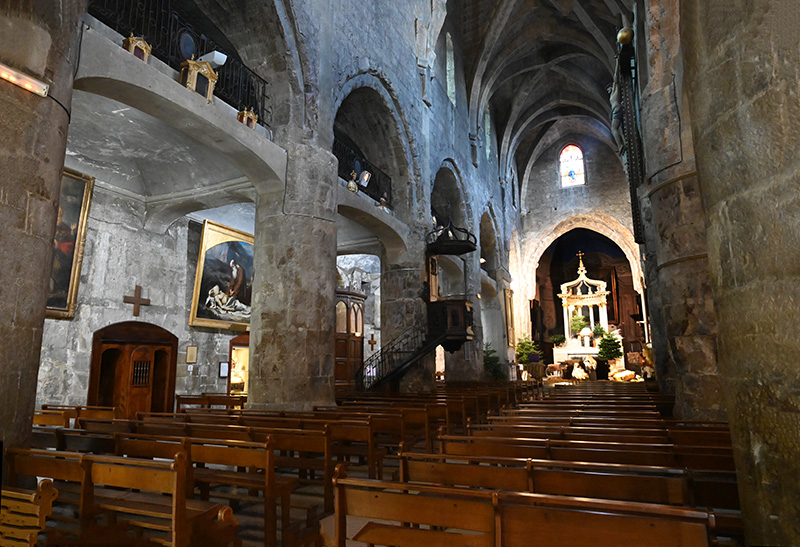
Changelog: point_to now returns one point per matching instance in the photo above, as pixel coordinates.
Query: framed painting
(223, 283)
(68, 243)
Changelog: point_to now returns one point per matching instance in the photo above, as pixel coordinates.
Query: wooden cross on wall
(136, 300)
(372, 342)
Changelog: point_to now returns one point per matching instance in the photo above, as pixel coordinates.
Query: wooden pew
(23, 513)
(83, 411)
(130, 493)
(209, 400)
(434, 515)
(56, 418)
(627, 483)
(653, 435)
(666, 455)
(248, 465)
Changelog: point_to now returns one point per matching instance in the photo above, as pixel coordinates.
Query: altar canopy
(583, 292)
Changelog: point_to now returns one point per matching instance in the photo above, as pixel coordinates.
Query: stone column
(402, 308)
(37, 38)
(743, 74)
(604, 316)
(683, 314)
(291, 337)
(566, 321)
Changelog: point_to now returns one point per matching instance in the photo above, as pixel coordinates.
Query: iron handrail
(174, 40)
(390, 357)
(379, 185)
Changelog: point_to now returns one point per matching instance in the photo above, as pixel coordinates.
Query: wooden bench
(23, 513)
(653, 435)
(83, 411)
(627, 483)
(55, 418)
(117, 495)
(210, 400)
(666, 455)
(248, 465)
(444, 517)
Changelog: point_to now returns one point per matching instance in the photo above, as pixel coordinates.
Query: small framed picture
(191, 354)
(224, 369)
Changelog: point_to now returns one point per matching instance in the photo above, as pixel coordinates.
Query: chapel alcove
(239, 361)
(604, 260)
(133, 368)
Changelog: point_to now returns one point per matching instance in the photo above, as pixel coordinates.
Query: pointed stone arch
(597, 221)
(388, 127)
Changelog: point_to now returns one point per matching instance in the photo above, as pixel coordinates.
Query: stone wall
(684, 321)
(742, 75)
(119, 255)
(36, 39)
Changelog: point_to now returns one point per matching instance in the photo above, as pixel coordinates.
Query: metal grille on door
(141, 373)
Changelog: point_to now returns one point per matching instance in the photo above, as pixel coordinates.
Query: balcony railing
(174, 40)
(380, 184)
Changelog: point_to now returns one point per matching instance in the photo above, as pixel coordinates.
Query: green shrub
(558, 339)
(491, 364)
(610, 348)
(578, 322)
(525, 346)
(599, 330)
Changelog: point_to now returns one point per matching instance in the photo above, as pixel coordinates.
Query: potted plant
(491, 364)
(527, 352)
(599, 331)
(557, 339)
(609, 348)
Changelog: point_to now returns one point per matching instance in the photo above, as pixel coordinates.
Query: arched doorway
(605, 261)
(349, 339)
(133, 368)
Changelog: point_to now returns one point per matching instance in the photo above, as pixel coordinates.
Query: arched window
(451, 70)
(571, 166)
(341, 317)
(487, 131)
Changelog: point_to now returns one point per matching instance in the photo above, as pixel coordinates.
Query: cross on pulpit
(136, 300)
(372, 342)
(580, 255)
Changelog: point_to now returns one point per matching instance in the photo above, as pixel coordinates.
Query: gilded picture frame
(223, 280)
(69, 240)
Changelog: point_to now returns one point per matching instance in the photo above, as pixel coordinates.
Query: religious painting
(68, 243)
(223, 284)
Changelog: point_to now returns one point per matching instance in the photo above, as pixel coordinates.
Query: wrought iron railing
(174, 40)
(391, 357)
(380, 184)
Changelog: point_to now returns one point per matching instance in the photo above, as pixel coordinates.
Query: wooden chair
(23, 513)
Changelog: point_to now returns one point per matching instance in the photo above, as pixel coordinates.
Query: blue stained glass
(571, 166)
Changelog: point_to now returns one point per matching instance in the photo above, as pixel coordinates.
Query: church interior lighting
(24, 81)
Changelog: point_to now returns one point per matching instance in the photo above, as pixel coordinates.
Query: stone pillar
(37, 38)
(604, 316)
(742, 75)
(402, 307)
(566, 321)
(676, 259)
(291, 337)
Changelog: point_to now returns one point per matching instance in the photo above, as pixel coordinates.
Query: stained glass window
(451, 70)
(572, 171)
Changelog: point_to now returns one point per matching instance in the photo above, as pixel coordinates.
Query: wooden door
(348, 339)
(133, 369)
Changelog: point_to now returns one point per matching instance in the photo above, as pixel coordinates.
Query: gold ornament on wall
(138, 47)
(199, 77)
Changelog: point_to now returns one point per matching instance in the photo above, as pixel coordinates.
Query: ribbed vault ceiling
(542, 67)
